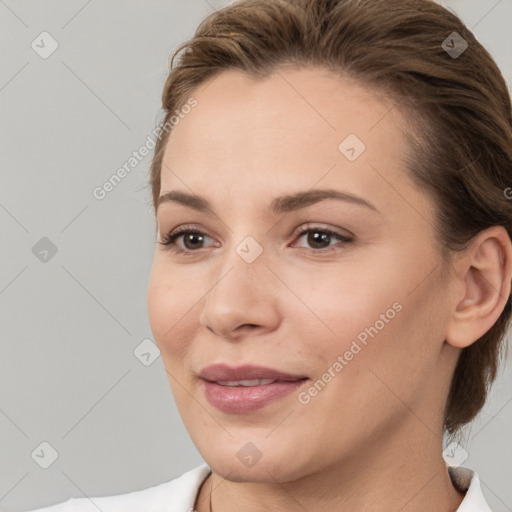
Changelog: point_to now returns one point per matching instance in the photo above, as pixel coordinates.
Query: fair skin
(372, 438)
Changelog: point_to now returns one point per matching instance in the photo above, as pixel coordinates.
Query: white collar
(180, 494)
(467, 481)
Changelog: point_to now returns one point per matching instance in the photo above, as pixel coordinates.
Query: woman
(331, 282)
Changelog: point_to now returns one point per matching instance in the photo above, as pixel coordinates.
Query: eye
(193, 238)
(321, 236)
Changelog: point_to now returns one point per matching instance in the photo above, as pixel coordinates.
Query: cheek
(157, 303)
(168, 313)
(337, 305)
(357, 318)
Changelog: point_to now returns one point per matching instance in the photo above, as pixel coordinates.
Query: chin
(235, 472)
(268, 469)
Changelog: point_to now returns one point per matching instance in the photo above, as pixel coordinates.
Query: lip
(245, 399)
(218, 372)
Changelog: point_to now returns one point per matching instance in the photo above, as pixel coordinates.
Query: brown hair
(458, 109)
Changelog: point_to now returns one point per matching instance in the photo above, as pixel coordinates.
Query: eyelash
(170, 245)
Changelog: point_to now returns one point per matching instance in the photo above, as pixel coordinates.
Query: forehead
(297, 104)
(283, 132)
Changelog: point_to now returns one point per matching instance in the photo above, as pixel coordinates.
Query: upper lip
(223, 372)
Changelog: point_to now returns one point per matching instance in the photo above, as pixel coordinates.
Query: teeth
(254, 382)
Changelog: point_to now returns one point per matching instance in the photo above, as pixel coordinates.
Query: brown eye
(191, 239)
(318, 238)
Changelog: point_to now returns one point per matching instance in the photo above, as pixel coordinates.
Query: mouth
(250, 383)
(222, 373)
(246, 389)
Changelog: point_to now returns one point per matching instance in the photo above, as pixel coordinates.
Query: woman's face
(362, 317)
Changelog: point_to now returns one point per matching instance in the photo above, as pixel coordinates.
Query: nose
(242, 298)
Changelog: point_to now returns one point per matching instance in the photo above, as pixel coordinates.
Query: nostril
(246, 326)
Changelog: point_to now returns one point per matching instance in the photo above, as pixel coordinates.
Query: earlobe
(484, 276)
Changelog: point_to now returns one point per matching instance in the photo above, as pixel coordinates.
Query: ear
(484, 277)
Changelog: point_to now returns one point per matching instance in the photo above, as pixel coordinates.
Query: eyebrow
(281, 204)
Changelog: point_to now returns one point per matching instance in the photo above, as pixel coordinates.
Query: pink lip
(244, 399)
(216, 372)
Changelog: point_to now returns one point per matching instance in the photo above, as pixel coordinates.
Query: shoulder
(177, 494)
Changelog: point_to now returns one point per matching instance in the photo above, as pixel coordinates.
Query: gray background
(70, 325)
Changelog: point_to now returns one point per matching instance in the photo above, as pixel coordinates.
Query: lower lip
(242, 399)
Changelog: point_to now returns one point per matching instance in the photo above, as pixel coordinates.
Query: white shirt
(179, 495)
